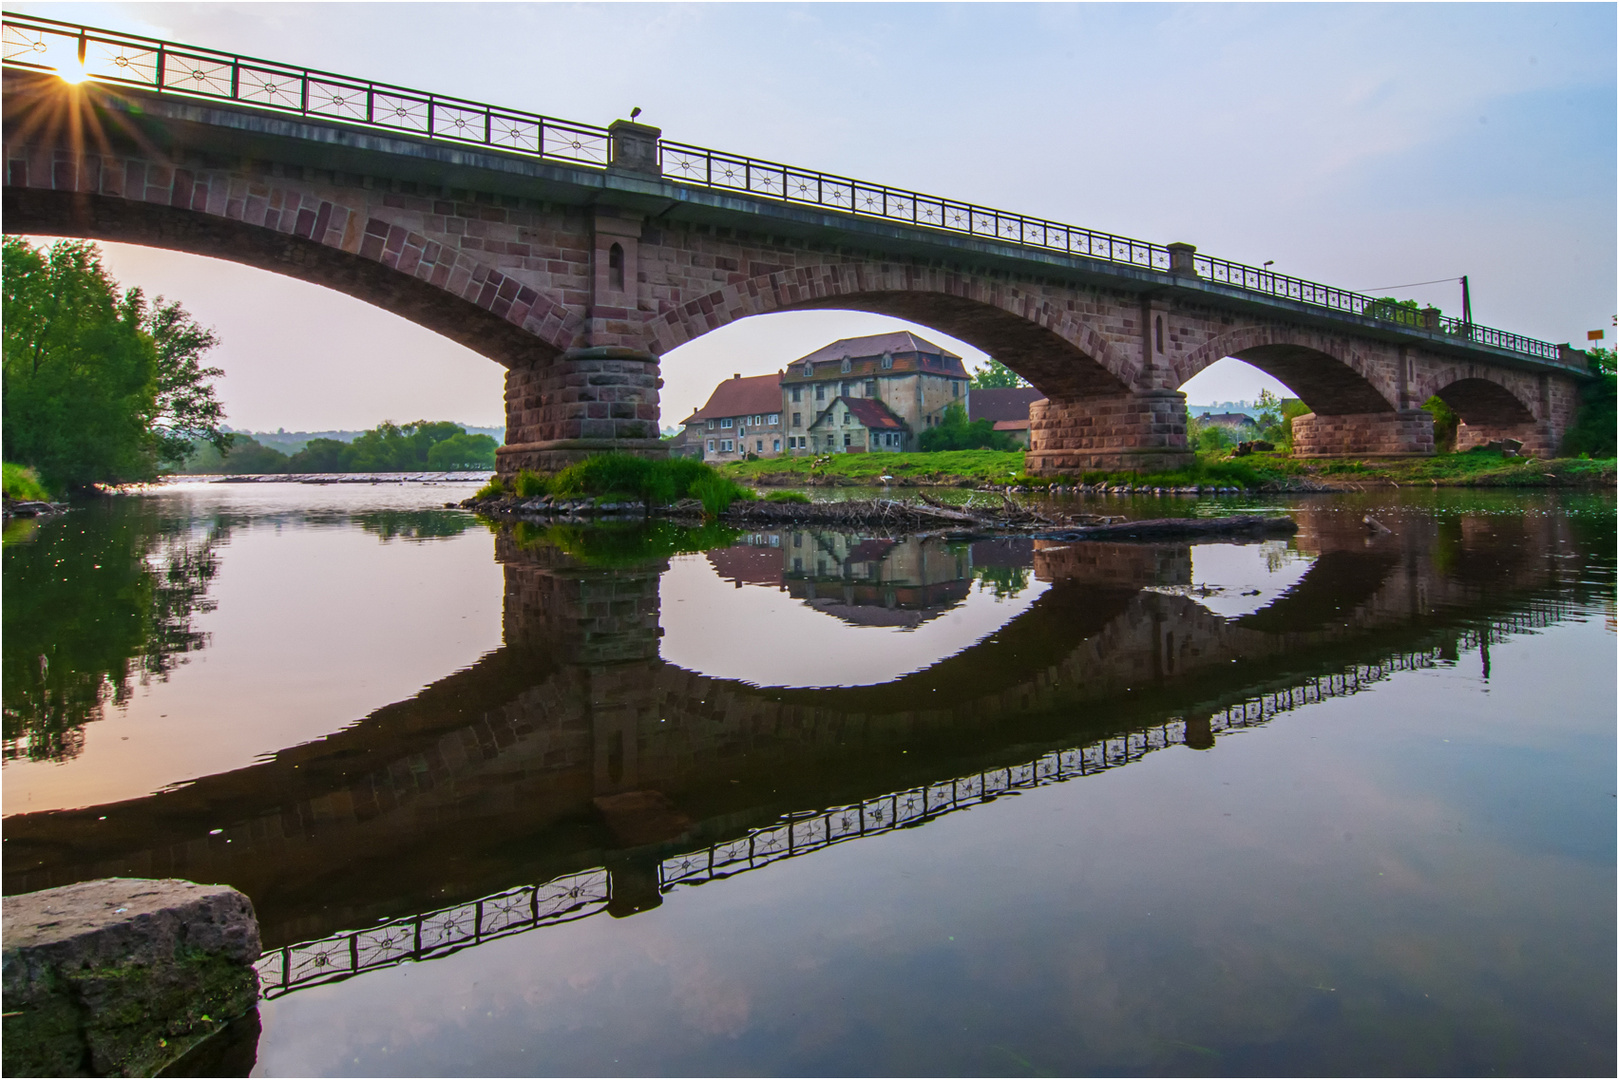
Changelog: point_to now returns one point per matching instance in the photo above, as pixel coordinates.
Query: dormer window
(888, 360)
(809, 371)
(846, 365)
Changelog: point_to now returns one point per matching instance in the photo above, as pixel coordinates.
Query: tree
(186, 410)
(955, 432)
(80, 380)
(1593, 432)
(98, 388)
(996, 376)
(463, 451)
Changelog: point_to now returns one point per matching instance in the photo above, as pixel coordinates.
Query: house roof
(737, 396)
(1012, 425)
(868, 412)
(1002, 403)
(1228, 419)
(910, 353)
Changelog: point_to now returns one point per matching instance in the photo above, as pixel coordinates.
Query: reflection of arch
(1327, 373)
(1336, 584)
(336, 246)
(1481, 400)
(1051, 347)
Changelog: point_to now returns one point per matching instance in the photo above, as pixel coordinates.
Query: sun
(72, 74)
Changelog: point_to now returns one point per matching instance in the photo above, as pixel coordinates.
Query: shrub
(955, 432)
(23, 483)
(494, 489)
(1594, 424)
(529, 484)
(1445, 422)
(717, 493)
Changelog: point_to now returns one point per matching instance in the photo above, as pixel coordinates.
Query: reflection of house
(873, 581)
(913, 380)
(1007, 407)
(756, 561)
(743, 416)
(852, 425)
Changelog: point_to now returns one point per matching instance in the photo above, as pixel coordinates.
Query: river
(638, 801)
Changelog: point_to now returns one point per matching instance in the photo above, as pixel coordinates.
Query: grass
(946, 466)
(625, 545)
(22, 483)
(625, 477)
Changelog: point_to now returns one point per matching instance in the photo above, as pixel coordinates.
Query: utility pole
(1467, 304)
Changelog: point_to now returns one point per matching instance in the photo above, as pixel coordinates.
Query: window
(809, 371)
(759, 446)
(775, 419)
(871, 387)
(820, 392)
(757, 420)
(1158, 331)
(846, 365)
(888, 360)
(615, 267)
(955, 389)
(798, 419)
(726, 446)
(798, 564)
(848, 438)
(711, 446)
(711, 425)
(798, 541)
(844, 389)
(775, 445)
(796, 391)
(847, 419)
(726, 422)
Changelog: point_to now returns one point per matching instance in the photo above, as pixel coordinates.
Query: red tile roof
(870, 412)
(910, 353)
(1002, 403)
(742, 397)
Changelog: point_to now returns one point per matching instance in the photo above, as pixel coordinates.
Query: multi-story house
(1007, 407)
(906, 381)
(743, 416)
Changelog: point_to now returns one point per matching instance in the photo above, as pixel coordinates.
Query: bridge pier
(1139, 432)
(1537, 437)
(586, 401)
(1397, 433)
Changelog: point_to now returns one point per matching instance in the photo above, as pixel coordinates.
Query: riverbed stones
(121, 976)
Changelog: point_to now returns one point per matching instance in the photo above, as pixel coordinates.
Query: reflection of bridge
(578, 256)
(430, 935)
(492, 776)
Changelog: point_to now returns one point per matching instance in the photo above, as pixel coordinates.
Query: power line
(1411, 285)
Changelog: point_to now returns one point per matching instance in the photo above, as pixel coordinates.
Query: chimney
(737, 375)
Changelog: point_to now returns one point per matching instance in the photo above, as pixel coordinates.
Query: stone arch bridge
(577, 256)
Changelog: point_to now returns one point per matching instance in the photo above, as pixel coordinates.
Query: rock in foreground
(121, 976)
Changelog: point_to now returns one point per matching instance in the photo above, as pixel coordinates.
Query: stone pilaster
(1142, 432)
(1396, 433)
(586, 401)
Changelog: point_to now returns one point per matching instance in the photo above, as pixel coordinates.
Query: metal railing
(166, 67)
(433, 934)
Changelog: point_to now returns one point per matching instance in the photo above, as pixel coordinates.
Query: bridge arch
(334, 242)
(1054, 348)
(1328, 373)
(1477, 396)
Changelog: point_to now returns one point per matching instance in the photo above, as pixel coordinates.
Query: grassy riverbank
(1268, 472)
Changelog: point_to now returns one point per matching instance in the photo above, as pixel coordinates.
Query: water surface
(562, 801)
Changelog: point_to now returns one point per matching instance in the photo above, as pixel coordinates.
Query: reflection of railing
(577, 896)
(45, 44)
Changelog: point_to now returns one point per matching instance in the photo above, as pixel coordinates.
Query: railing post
(1180, 260)
(633, 148)
(1430, 318)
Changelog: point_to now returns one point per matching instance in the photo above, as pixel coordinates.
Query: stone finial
(1180, 259)
(634, 147)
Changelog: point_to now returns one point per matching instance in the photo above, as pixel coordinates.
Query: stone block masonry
(122, 976)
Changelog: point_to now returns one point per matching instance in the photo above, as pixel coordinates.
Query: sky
(1362, 145)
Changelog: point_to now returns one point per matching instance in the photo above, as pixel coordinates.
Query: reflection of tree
(415, 524)
(94, 601)
(1003, 581)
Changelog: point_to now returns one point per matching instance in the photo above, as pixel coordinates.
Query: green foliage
(1445, 423)
(23, 483)
(528, 484)
(996, 376)
(462, 451)
(625, 545)
(1003, 581)
(787, 497)
(944, 466)
(955, 432)
(1408, 312)
(652, 482)
(1594, 424)
(1292, 409)
(440, 524)
(494, 489)
(717, 493)
(98, 386)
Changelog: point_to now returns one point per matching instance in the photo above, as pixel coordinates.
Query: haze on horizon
(1365, 146)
